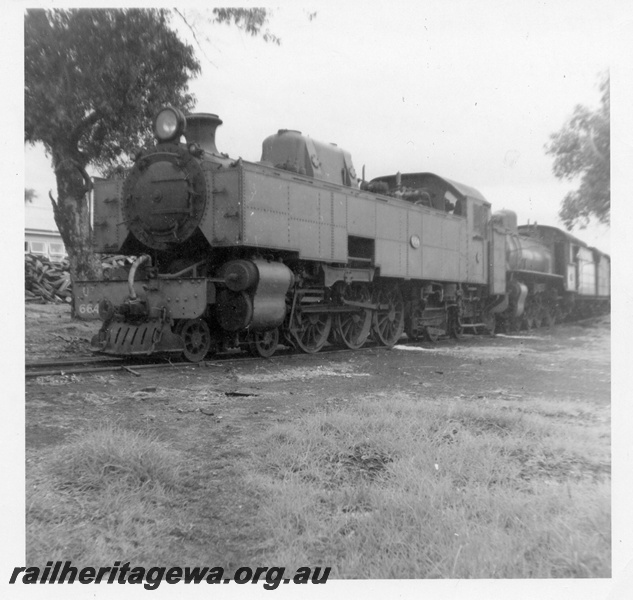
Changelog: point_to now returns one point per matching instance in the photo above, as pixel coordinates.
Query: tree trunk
(72, 216)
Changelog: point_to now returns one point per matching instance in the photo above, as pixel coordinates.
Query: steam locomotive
(297, 249)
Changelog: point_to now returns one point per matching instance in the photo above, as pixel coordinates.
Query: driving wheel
(388, 322)
(353, 328)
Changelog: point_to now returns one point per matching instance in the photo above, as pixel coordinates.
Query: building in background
(41, 236)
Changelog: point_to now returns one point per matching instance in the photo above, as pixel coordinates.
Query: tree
(251, 20)
(93, 80)
(582, 150)
(29, 195)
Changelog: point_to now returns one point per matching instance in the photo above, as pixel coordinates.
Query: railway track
(90, 365)
(135, 366)
(85, 366)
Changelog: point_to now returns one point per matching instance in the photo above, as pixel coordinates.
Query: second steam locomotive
(296, 249)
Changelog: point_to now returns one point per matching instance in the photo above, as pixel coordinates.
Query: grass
(381, 487)
(104, 496)
(397, 487)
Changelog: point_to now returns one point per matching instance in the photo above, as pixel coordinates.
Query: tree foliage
(29, 195)
(250, 20)
(93, 80)
(582, 151)
(253, 21)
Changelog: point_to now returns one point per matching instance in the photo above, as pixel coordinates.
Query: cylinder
(255, 296)
(269, 303)
(234, 310)
(240, 275)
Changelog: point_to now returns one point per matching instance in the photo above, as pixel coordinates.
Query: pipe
(183, 272)
(130, 280)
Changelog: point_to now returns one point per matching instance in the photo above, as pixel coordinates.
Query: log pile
(45, 280)
(48, 281)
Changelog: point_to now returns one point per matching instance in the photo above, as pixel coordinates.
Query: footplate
(125, 339)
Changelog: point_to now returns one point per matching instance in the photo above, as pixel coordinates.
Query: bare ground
(214, 416)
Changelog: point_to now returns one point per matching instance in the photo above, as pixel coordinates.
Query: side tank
(290, 150)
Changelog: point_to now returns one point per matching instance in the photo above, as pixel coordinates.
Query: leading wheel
(352, 328)
(196, 337)
(311, 330)
(264, 343)
(388, 322)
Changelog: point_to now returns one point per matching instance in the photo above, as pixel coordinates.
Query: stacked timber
(45, 280)
(48, 281)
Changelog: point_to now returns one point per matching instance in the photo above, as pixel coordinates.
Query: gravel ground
(213, 412)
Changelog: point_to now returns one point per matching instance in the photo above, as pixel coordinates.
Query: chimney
(201, 130)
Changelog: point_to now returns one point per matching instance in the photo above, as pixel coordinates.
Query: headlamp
(169, 124)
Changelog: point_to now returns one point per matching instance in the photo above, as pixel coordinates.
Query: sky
(468, 90)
